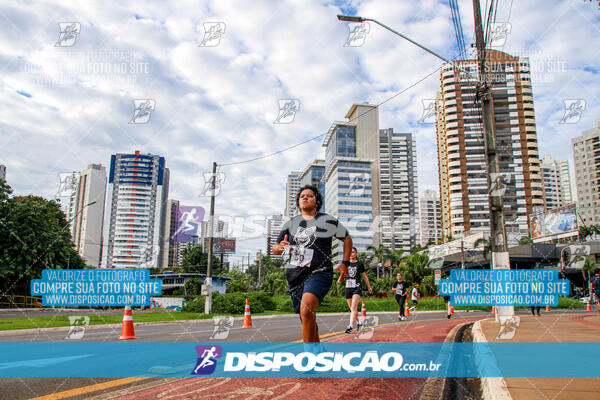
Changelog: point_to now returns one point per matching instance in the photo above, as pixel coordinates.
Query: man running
(356, 269)
(414, 297)
(306, 240)
(400, 287)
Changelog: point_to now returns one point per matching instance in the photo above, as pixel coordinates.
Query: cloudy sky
(69, 102)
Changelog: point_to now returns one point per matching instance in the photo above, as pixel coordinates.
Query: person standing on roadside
(596, 288)
(400, 288)
(353, 291)
(306, 240)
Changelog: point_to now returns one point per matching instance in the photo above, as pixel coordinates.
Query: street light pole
(208, 280)
(499, 248)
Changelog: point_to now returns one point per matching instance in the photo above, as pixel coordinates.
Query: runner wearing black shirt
(400, 287)
(306, 240)
(354, 289)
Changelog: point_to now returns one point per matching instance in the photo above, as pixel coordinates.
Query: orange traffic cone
(363, 312)
(493, 310)
(589, 306)
(127, 331)
(451, 310)
(406, 310)
(247, 317)
(547, 308)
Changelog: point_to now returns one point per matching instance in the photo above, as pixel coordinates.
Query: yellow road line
(88, 389)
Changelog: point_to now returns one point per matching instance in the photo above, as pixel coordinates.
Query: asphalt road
(283, 328)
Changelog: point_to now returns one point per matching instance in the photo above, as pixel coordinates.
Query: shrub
(196, 305)
(262, 298)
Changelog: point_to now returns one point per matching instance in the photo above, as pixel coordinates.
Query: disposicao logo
(207, 359)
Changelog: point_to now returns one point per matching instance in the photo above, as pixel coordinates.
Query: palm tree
(395, 258)
(365, 259)
(487, 246)
(589, 266)
(525, 240)
(381, 254)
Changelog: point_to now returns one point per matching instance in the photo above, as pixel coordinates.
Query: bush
(286, 306)
(196, 305)
(263, 299)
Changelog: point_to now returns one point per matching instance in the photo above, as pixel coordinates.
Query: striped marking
(88, 389)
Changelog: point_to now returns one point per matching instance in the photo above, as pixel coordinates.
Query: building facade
(88, 213)
(430, 218)
(274, 225)
(399, 190)
(313, 175)
(171, 248)
(461, 155)
(134, 223)
(586, 153)
(551, 183)
(3, 172)
(291, 190)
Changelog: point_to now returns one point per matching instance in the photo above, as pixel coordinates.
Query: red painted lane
(313, 388)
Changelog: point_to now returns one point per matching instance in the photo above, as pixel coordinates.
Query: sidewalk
(549, 327)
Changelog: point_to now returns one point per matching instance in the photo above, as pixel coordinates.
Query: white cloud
(218, 103)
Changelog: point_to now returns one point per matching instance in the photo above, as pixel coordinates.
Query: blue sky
(67, 107)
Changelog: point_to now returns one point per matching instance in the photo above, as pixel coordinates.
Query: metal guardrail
(16, 301)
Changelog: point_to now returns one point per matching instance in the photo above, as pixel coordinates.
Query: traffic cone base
(247, 317)
(127, 331)
(406, 310)
(451, 310)
(589, 306)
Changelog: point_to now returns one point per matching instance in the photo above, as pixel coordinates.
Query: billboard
(189, 219)
(221, 245)
(553, 222)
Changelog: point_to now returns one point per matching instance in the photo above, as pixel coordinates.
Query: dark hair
(355, 249)
(315, 190)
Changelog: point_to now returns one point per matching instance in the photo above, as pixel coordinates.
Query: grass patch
(63, 320)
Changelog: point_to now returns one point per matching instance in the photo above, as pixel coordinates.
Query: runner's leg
(354, 312)
(308, 309)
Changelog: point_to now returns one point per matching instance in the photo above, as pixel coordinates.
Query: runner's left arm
(347, 250)
(364, 275)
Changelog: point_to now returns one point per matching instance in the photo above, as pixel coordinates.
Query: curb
(435, 386)
(493, 388)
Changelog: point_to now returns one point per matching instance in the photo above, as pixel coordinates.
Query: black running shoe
(349, 330)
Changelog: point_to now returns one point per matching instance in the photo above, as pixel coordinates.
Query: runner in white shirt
(414, 297)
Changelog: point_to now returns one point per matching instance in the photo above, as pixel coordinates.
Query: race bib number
(300, 256)
(350, 283)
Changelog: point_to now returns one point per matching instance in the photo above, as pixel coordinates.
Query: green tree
(275, 283)
(195, 260)
(381, 254)
(34, 236)
(193, 287)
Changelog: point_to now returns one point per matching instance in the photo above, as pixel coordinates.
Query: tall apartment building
(88, 213)
(220, 229)
(573, 185)
(557, 182)
(134, 223)
(586, 153)
(291, 190)
(399, 189)
(352, 175)
(171, 248)
(430, 217)
(274, 225)
(461, 158)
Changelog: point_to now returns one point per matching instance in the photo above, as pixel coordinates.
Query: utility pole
(499, 248)
(259, 271)
(208, 281)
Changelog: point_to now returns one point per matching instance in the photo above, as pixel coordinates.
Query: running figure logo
(68, 33)
(287, 111)
(222, 327)
(142, 110)
(212, 34)
(207, 359)
(508, 327)
(357, 34)
(499, 33)
(499, 183)
(574, 109)
(77, 326)
(208, 183)
(428, 116)
(188, 222)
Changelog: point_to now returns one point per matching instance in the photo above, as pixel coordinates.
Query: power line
(323, 134)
